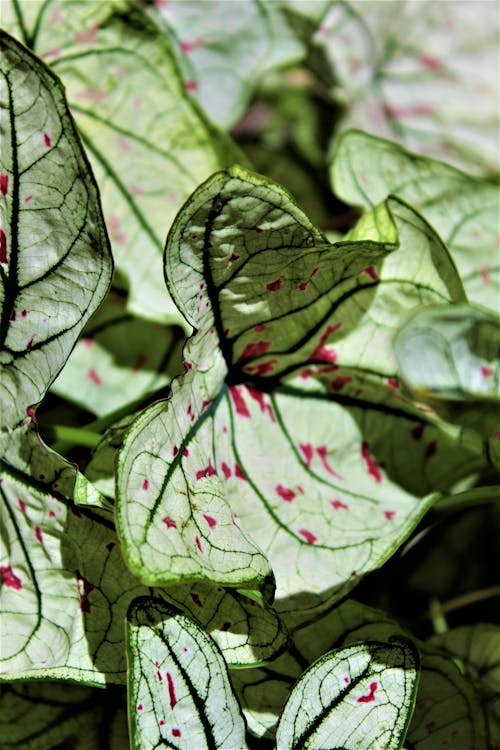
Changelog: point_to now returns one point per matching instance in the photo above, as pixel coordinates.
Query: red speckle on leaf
(389, 514)
(208, 471)
(431, 449)
(191, 85)
(238, 401)
(52, 514)
(4, 183)
(13, 315)
(139, 707)
(421, 109)
(110, 546)
(190, 46)
(46, 140)
(370, 696)
(158, 674)
(259, 328)
(171, 690)
(340, 381)
(257, 229)
(176, 732)
(308, 536)
(185, 452)
(161, 722)
(261, 399)
(417, 431)
(306, 373)
(371, 272)
(234, 257)
(205, 403)
(225, 626)
(253, 349)
(24, 313)
(38, 534)
(169, 523)
(322, 451)
(3, 247)
(225, 469)
(304, 284)
(238, 472)
(196, 599)
(30, 412)
(430, 726)
(28, 198)
(139, 361)
(484, 272)
(431, 63)
(115, 231)
(274, 286)
(175, 451)
(145, 484)
(370, 463)
(190, 412)
(393, 383)
(94, 376)
(339, 505)
(84, 589)
(210, 520)
(321, 352)
(486, 371)
(198, 544)
(264, 368)
(87, 36)
(22, 505)
(285, 493)
(9, 578)
(308, 452)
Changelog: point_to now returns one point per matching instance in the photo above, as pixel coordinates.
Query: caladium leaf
(409, 72)
(48, 715)
(449, 357)
(359, 696)
(179, 693)
(225, 50)
(148, 144)
(118, 360)
(463, 209)
(243, 264)
(55, 263)
(477, 648)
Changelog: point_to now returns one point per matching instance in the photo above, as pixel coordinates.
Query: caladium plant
(331, 394)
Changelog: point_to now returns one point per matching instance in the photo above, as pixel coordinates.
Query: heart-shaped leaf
(463, 209)
(360, 696)
(179, 692)
(450, 357)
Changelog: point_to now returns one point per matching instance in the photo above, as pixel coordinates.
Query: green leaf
(179, 693)
(55, 264)
(449, 357)
(225, 50)
(360, 696)
(119, 359)
(409, 72)
(463, 209)
(43, 716)
(477, 649)
(148, 144)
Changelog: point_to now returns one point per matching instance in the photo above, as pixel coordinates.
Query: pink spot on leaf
(28, 198)
(238, 401)
(161, 722)
(190, 46)
(191, 85)
(198, 544)
(145, 484)
(389, 514)
(84, 589)
(139, 707)
(308, 536)
(259, 328)
(158, 674)
(371, 272)
(225, 469)
(196, 599)
(88, 35)
(285, 493)
(3, 247)
(176, 732)
(486, 371)
(263, 368)
(430, 726)
(9, 578)
(261, 399)
(22, 505)
(274, 286)
(208, 471)
(93, 376)
(308, 452)
(234, 257)
(253, 349)
(431, 449)
(484, 272)
(257, 229)
(38, 534)
(171, 690)
(185, 452)
(370, 462)
(190, 413)
(4, 183)
(393, 383)
(370, 696)
(340, 381)
(431, 63)
(169, 523)
(417, 431)
(321, 352)
(322, 451)
(238, 472)
(210, 520)
(339, 505)
(46, 140)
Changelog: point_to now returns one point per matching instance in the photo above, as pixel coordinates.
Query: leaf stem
(71, 435)
(468, 499)
(464, 600)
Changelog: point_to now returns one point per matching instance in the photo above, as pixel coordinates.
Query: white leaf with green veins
(179, 693)
(148, 144)
(55, 263)
(361, 696)
(226, 48)
(246, 435)
(461, 208)
(424, 74)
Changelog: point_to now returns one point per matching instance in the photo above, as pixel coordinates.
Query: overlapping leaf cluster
(332, 388)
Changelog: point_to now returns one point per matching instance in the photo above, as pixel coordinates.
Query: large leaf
(424, 74)
(462, 208)
(269, 295)
(179, 692)
(55, 264)
(149, 145)
(42, 716)
(360, 696)
(226, 48)
(450, 357)
(447, 709)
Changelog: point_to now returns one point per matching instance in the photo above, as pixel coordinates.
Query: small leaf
(360, 696)
(179, 693)
(449, 357)
(57, 265)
